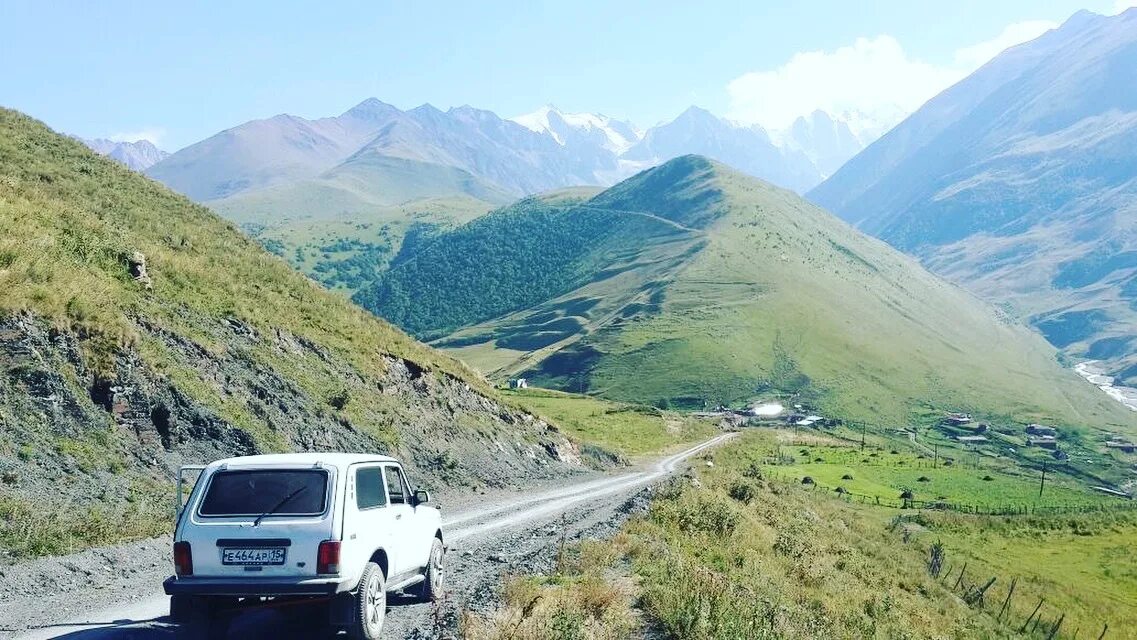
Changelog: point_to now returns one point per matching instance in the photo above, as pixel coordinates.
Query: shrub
(700, 514)
(339, 399)
(742, 492)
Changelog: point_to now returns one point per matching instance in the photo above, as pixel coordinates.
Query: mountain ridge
(701, 285)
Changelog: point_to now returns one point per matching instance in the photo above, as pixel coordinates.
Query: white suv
(344, 529)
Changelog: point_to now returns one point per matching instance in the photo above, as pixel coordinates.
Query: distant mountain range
(543, 150)
(1021, 183)
(138, 155)
(692, 283)
(337, 196)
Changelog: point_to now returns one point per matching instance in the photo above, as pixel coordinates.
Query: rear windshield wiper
(278, 505)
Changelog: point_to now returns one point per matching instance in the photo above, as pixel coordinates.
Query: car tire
(370, 608)
(197, 618)
(432, 577)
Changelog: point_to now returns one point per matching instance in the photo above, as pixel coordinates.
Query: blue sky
(179, 72)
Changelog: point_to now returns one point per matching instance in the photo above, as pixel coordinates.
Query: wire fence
(977, 508)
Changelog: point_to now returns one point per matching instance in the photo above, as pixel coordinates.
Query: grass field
(884, 471)
(729, 554)
(628, 430)
(1081, 564)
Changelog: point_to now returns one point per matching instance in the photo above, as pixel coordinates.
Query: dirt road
(116, 593)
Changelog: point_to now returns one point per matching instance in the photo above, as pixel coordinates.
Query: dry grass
(586, 600)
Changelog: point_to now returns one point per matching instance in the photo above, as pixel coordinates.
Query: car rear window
(252, 493)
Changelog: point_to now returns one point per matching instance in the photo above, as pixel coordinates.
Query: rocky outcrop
(81, 432)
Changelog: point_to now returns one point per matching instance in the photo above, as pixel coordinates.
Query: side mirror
(422, 496)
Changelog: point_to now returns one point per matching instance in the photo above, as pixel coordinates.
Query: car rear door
(368, 519)
(263, 521)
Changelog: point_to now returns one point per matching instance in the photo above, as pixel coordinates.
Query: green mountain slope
(364, 183)
(692, 283)
(346, 225)
(112, 374)
(1020, 182)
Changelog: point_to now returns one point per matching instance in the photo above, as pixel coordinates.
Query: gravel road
(116, 592)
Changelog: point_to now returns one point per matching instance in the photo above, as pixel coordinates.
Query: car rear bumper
(265, 587)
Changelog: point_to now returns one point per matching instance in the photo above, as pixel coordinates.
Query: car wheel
(370, 604)
(432, 583)
(197, 618)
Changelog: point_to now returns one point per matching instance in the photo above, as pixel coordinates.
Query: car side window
(369, 488)
(396, 486)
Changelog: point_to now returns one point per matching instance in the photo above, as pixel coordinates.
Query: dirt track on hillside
(115, 593)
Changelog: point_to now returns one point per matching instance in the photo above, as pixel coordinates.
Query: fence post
(960, 578)
(1054, 631)
(1007, 602)
(1023, 629)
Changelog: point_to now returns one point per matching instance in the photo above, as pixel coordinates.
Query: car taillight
(183, 559)
(328, 557)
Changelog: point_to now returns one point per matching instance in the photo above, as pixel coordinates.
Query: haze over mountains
(1021, 182)
(337, 196)
(1017, 182)
(536, 152)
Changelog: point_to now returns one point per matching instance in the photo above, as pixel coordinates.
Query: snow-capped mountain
(569, 129)
(745, 147)
(138, 155)
(544, 150)
(827, 141)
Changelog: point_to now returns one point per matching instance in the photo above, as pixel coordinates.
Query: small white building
(767, 410)
(519, 383)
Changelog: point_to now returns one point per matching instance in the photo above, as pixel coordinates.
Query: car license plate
(253, 557)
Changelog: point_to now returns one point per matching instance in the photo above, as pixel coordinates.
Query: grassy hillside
(514, 259)
(693, 284)
(111, 377)
(344, 227)
(627, 430)
(348, 253)
(737, 552)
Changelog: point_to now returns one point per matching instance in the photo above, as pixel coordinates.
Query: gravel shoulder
(115, 592)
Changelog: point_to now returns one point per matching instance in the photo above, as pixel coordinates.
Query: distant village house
(1041, 430)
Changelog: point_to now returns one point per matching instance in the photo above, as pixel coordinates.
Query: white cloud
(1119, 6)
(152, 134)
(873, 83)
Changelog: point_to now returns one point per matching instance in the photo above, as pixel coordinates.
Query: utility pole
(862, 436)
(936, 455)
(1043, 482)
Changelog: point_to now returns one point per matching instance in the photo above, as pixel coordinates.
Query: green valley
(691, 285)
